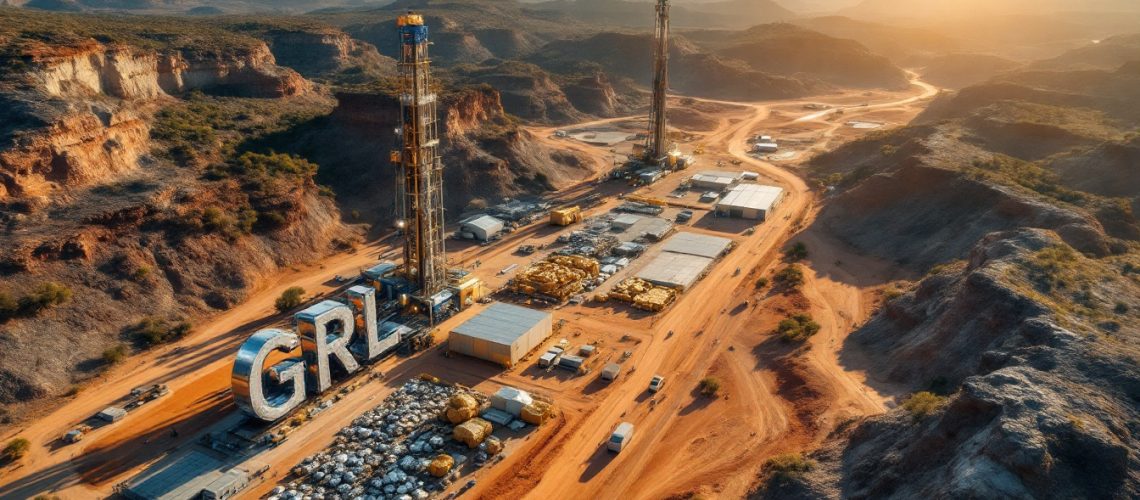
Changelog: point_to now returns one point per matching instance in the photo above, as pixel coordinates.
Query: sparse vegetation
(791, 277)
(289, 299)
(1050, 268)
(709, 386)
(796, 252)
(154, 331)
(115, 355)
(1027, 175)
(762, 283)
(16, 449)
(45, 296)
(1120, 308)
(788, 467)
(797, 328)
(922, 404)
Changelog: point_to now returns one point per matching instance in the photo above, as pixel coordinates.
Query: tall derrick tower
(420, 178)
(656, 143)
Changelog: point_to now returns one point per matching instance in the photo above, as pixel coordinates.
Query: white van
(621, 437)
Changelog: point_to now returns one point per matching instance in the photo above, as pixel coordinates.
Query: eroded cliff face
(97, 101)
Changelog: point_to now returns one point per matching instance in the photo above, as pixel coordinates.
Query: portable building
(750, 201)
(611, 371)
(482, 227)
(112, 414)
(675, 270)
(571, 362)
(226, 486)
(549, 358)
(502, 333)
(697, 244)
(768, 146)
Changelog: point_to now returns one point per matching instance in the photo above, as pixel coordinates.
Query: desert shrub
(155, 331)
(16, 449)
(290, 298)
(796, 252)
(788, 467)
(1050, 267)
(9, 307)
(115, 355)
(141, 273)
(797, 328)
(761, 283)
(1121, 308)
(790, 277)
(922, 404)
(272, 165)
(709, 386)
(43, 297)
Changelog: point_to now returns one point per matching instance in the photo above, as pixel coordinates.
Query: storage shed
(675, 270)
(750, 201)
(502, 333)
(715, 180)
(700, 245)
(482, 227)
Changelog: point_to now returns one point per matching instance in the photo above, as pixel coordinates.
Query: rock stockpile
(401, 449)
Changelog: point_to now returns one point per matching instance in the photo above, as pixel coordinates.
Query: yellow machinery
(558, 277)
(566, 216)
(657, 202)
(643, 294)
(468, 290)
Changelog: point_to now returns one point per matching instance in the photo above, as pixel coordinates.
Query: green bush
(47, 295)
(290, 298)
(16, 449)
(709, 386)
(115, 355)
(922, 404)
(788, 467)
(796, 252)
(761, 283)
(790, 277)
(154, 331)
(797, 328)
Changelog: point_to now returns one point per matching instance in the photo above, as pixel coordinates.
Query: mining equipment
(656, 147)
(566, 216)
(420, 169)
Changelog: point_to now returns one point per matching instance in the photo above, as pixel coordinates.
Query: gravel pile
(386, 452)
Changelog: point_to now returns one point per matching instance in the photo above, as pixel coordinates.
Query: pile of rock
(393, 451)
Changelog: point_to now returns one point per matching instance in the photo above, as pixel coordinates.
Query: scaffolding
(420, 177)
(655, 143)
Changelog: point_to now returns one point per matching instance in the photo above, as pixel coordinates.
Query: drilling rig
(420, 170)
(656, 144)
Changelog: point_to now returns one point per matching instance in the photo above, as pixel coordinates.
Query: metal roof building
(502, 333)
(697, 244)
(176, 477)
(482, 227)
(675, 270)
(750, 201)
(712, 179)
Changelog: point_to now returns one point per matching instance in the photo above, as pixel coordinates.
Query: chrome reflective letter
(313, 325)
(363, 301)
(248, 375)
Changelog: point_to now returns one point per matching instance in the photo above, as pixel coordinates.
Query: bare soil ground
(775, 397)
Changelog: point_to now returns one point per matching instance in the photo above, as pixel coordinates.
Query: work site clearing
(774, 397)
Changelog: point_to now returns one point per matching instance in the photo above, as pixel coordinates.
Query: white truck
(620, 438)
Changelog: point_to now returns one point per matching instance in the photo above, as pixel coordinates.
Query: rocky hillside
(955, 71)
(1020, 344)
(714, 14)
(1106, 54)
(786, 49)
(692, 71)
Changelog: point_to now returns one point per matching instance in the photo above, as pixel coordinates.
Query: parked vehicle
(656, 383)
(620, 437)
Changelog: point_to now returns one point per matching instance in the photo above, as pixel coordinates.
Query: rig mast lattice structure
(656, 146)
(420, 177)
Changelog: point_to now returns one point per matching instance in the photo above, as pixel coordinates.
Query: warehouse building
(712, 179)
(700, 245)
(675, 270)
(750, 201)
(502, 333)
(482, 228)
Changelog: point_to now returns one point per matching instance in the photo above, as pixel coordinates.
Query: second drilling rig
(656, 144)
